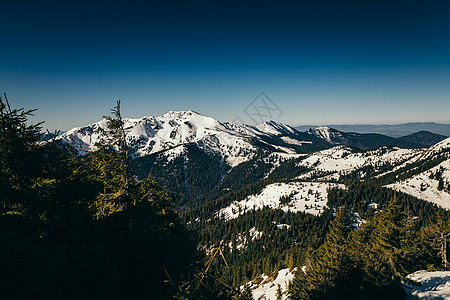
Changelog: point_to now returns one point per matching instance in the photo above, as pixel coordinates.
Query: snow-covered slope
(326, 133)
(341, 160)
(425, 185)
(150, 135)
(310, 197)
(432, 185)
(267, 289)
(443, 145)
(275, 128)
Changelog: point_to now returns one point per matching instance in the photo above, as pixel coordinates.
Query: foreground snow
(267, 288)
(310, 197)
(435, 285)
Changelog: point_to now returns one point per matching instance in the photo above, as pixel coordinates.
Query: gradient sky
(321, 62)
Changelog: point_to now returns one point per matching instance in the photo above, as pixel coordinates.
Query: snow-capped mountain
(269, 128)
(150, 135)
(276, 128)
(234, 143)
(329, 134)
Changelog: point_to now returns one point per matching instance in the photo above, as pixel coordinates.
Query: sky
(319, 62)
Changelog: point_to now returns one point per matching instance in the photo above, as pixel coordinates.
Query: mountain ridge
(393, 130)
(149, 134)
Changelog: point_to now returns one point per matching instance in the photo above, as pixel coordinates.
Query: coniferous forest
(102, 226)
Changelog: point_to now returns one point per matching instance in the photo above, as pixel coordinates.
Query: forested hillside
(201, 219)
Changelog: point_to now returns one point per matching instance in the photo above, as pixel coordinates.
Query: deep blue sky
(320, 61)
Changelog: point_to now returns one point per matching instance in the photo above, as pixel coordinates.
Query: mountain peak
(326, 133)
(275, 128)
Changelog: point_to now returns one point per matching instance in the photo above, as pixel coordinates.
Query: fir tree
(390, 254)
(331, 273)
(436, 234)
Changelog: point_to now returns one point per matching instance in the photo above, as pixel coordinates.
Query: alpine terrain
(266, 194)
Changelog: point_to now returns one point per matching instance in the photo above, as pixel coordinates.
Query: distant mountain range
(367, 141)
(396, 130)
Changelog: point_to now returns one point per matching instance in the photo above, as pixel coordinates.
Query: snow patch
(268, 288)
(435, 285)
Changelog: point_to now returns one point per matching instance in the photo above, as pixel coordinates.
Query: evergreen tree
(331, 272)
(56, 242)
(390, 253)
(279, 293)
(436, 234)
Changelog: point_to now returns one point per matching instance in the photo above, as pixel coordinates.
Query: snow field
(310, 197)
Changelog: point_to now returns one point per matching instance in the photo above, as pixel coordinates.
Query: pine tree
(20, 158)
(279, 293)
(331, 272)
(391, 252)
(437, 234)
(111, 165)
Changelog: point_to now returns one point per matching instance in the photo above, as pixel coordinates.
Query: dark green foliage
(250, 255)
(187, 177)
(391, 252)
(82, 228)
(366, 263)
(331, 272)
(435, 236)
(358, 195)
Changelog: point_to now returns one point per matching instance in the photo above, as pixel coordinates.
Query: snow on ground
(442, 145)
(282, 226)
(423, 187)
(342, 159)
(175, 152)
(268, 287)
(310, 197)
(357, 221)
(435, 285)
(241, 240)
(292, 141)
